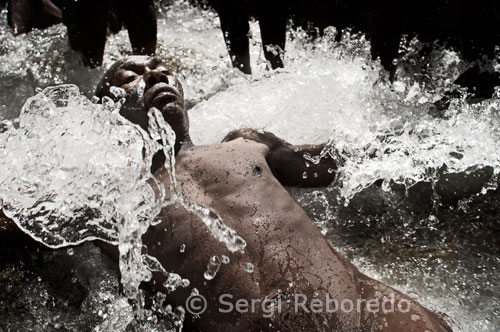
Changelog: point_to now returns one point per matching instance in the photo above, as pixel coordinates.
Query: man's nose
(153, 77)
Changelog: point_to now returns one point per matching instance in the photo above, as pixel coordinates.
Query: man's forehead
(136, 63)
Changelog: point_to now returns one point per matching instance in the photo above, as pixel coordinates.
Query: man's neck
(184, 143)
(159, 157)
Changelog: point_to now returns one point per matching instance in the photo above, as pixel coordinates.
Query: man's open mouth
(164, 97)
(161, 95)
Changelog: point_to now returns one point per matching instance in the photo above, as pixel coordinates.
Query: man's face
(148, 83)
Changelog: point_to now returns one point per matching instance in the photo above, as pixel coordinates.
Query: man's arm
(293, 165)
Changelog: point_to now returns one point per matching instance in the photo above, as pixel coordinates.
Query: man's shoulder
(251, 139)
(246, 144)
(237, 147)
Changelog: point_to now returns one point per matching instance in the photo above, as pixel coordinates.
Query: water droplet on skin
(212, 268)
(182, 248)
(156, 221)
(185, 283)
(74, 280)
(249, 267)
(225, 259)
(304, 175)
(117, 92)
(70, 251)
(239, 244)
(330, 170)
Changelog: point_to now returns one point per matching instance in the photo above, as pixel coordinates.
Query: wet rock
(419, 197)
(49, 290)
(370, 201)
(453, 187)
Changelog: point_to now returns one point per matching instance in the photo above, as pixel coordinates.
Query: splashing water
(447, 258)
(379, 133)
(72, 160)
(75, 171)
(71, 177)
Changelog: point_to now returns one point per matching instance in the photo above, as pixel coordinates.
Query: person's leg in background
(21, 15)
(139, 18)
(235, 28)
(273, 16)
(87, 27)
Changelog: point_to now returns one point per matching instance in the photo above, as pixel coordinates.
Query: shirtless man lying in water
(242, 179)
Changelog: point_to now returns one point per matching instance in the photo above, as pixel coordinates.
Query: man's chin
(172, 110)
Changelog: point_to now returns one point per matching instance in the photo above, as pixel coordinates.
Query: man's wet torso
(288, 253)
(289, 256)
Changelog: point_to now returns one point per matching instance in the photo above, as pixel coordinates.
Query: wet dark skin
(241, 179)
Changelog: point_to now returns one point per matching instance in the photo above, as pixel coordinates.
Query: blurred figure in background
(234, 16)
(26, 15)
(88, 22)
